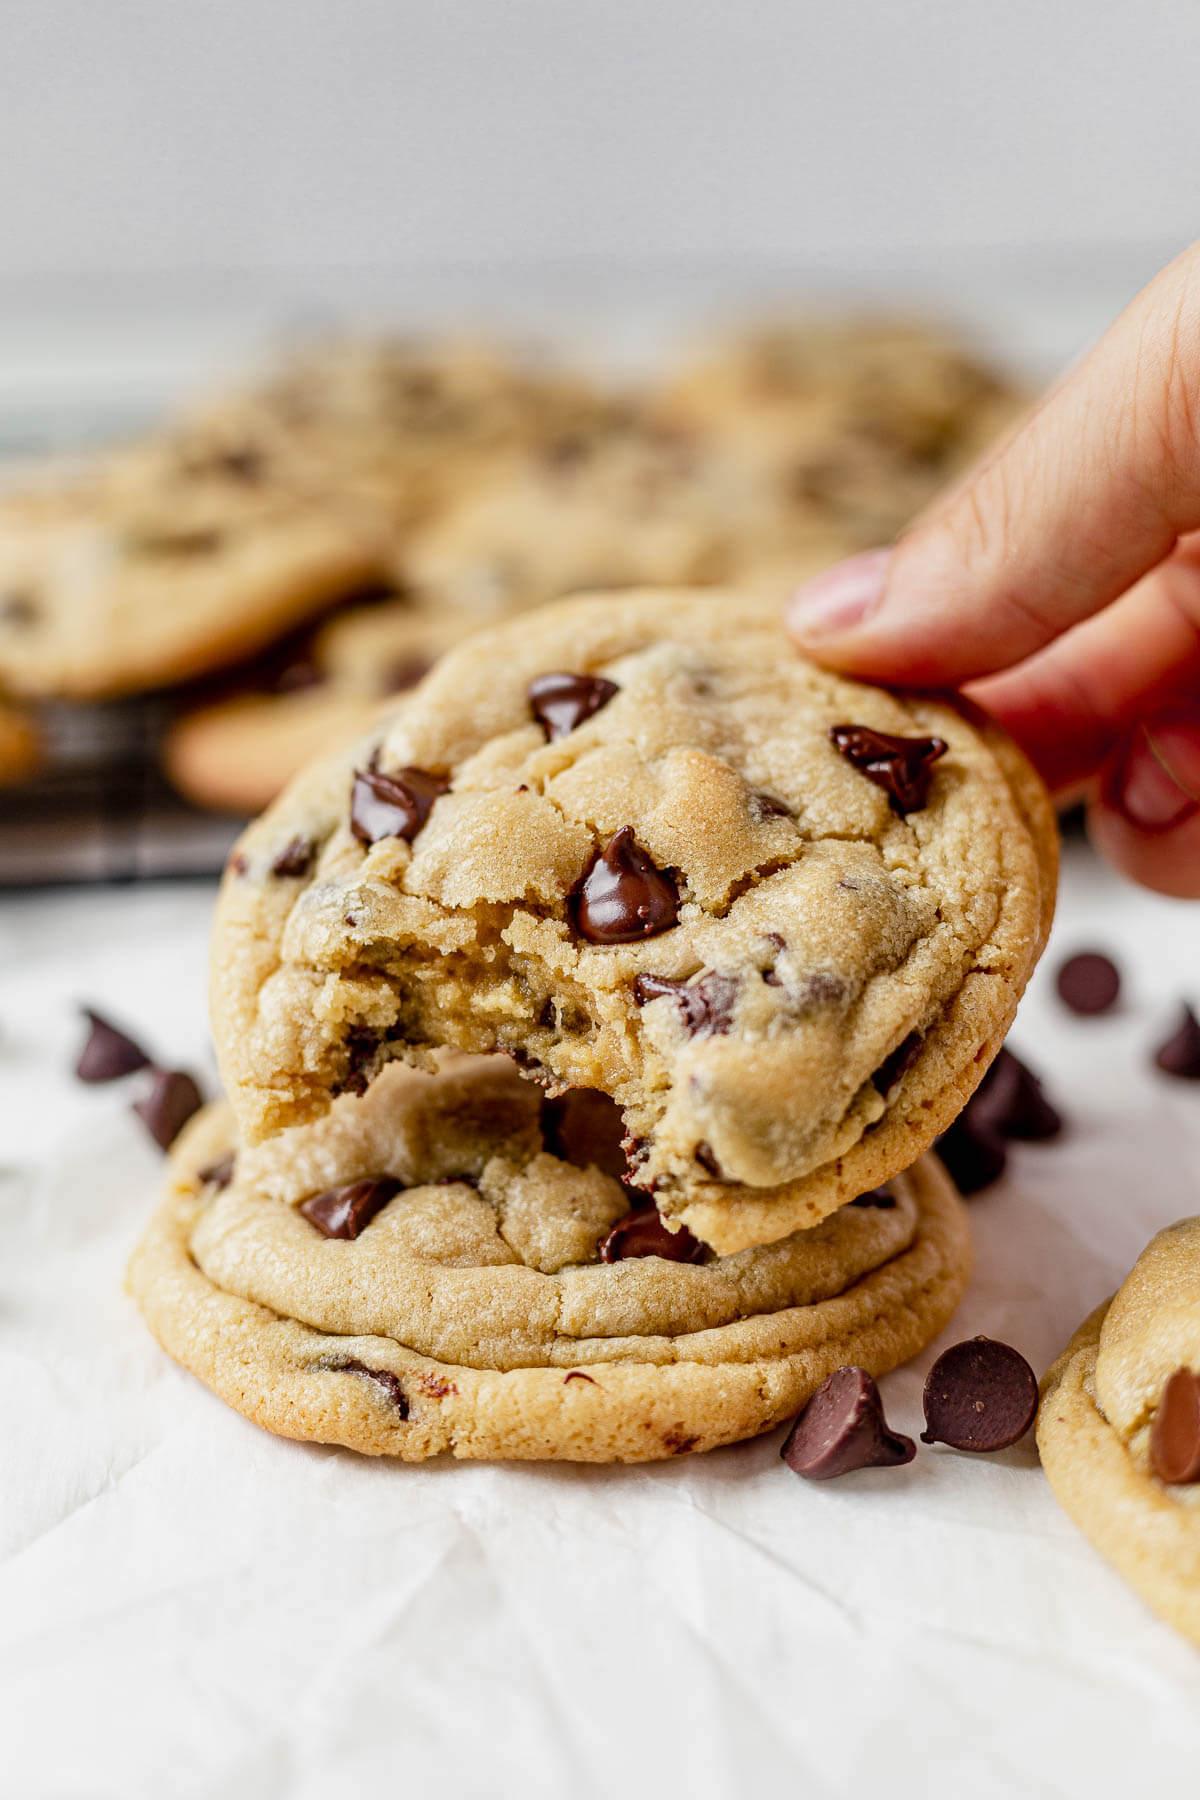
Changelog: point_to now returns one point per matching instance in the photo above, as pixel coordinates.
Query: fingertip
(832, 606)
(1146, 815)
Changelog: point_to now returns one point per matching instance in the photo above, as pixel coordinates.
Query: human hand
(1060, 580)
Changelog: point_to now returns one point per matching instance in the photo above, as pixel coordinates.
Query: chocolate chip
(1180, 1055)
(18, 607)
(168, 1106)
(362, 1049)
(880, 1197)
(217, 1174)
(1089, 983)
(902, 767)
(763, 806)
(842, 1429)
(390, 1383)
(578, 1375)
(895, 1066)
(108, 1053)
(642, 1233)
(706, 1157)
(1175, 1433)
(383, 806)
(296, 857)
(979, 1395)
(1010, 1100)
(623, 896)
(343, 1212)
(974, 1154)
(586, 1128)
(560, 702)
(237, 863)
(705, 1006)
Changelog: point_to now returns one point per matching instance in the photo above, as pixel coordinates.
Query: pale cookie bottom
(375, 1395)
(1150, 1533)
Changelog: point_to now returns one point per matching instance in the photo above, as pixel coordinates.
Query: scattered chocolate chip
(1175, 1433)
(623, 896)
(560, 702)
(979, 1395)
(218, 1174)
(108, 1053)
(974, 1155)
(586, 1128)
(901, 766)
(642, 1233)
(706, 1157)
(842, 1429)
(237, 864)
(296, 857)
(705, 1006)
(343, 1212)
(168, 1106)
(578, 1375)
(1180, 1055)
(390, 1383)
(880, 1197)
(18, 607)
(383, 806)
(894, 1067)
(1088, 983)
(1010, 1100)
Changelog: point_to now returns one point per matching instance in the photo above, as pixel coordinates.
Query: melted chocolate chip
(974, 1154)
(1088, 983)
(166, 1109)
(642, 1233)
(343, 1212)
(706, 1157)
(383, 806)
(897, 1065)
(217, 1174)
(586, 1128)
(705, 1006)
(1180, 1055)
(560, 702)
(108, 1053)
(879, 1197)
(390, 1383)
(1175, 1433)
(296, 857)
(842, 1429)
(762, 806)
(623, 896)
(902, 767)
(979, 1395)
(1010, 1100)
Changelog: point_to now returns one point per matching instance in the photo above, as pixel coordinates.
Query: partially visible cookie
(20, 744)
(641, 845)
(1119, 1427)
(436, 1268)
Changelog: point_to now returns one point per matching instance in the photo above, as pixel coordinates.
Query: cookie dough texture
(473, 1315)
(837, 931)
(1098, 1405)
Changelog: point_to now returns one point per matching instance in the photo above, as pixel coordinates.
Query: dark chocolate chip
(578, 1375)
(979, 1395)
(642, 1233)
(391, 1384)
(560, 702)
(623, 896)
(18, 607)
(879, 1197)
(897, 1065)
(901, 766)
(1175, 1433)
(1010, 1100)
(168, 1106)
(296, 857)
(705, 1155)
(842, 1429)
(1180, 1055)
(763, 806)
(705, 1006)
(397, 805)
(974, 1155)
(108, 1053)
(586, 1128)
(218, 1174)
(343, 1212)
(1089, 983)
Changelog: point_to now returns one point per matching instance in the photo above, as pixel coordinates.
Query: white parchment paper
(190, 1607)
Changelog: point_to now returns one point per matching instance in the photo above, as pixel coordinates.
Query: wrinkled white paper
(191, 1607)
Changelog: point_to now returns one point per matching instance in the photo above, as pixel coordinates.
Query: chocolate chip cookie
(450, 1264)
(1119, 1427)
(635, 841)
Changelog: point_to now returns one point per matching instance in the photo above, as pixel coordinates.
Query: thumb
(1086, 496)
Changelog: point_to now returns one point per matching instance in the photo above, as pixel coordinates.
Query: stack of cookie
(323, 537)
(585, 1026)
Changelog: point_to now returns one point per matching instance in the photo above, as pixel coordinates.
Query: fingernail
(1147, 790)
(840, 598)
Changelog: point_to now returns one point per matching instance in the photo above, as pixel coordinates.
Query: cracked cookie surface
(788, 974)
(1119, 1430)
(479, 1296)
